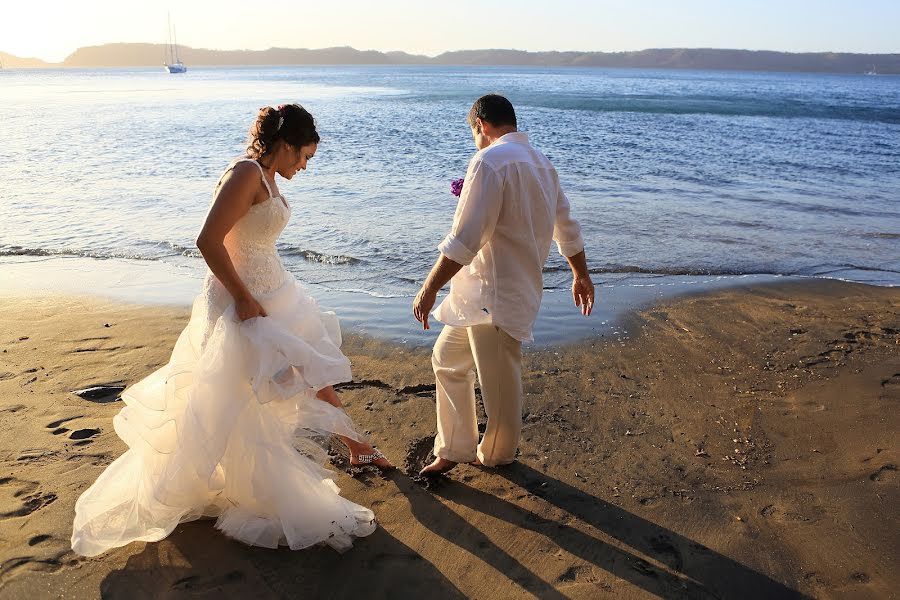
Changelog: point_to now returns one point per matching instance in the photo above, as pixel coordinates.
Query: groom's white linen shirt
(510, 210)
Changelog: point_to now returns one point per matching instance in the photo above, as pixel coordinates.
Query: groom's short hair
(493, 109)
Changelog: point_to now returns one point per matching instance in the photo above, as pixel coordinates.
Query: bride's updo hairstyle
(289, 122)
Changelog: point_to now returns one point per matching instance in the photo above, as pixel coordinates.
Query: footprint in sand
(38, 539)
(885, 473)
(799, 508)
(80, 350)
(83, 434)
(578, 574)
(665, 552)
(19, 497)
(37, 455)
(59, 422)
(643, 567)
(418, 453)
(97, 460)
(892, 380)
(422, 390)
(813, 579)
(55, 428)
(46, 564)
(101, 394)
(363, 383)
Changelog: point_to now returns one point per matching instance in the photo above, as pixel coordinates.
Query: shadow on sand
(198, 561)
(693, 570)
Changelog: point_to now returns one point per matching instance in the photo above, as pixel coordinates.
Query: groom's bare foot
(438, 467)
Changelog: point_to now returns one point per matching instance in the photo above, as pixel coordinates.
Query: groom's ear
(479, 125)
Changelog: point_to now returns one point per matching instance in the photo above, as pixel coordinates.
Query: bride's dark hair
(297, 128)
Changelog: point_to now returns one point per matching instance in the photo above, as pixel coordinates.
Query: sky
(52, 29)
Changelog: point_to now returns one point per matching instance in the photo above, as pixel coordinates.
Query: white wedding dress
(230, 427)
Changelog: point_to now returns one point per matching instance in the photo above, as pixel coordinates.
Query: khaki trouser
(498, 358)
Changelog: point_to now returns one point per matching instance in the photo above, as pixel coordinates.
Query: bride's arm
(233, 200)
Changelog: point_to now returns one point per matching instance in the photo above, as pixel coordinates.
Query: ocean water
(671, 173)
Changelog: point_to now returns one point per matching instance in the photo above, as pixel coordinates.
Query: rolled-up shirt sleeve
(476, 214)
(566, 230)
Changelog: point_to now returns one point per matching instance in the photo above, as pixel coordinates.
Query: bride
(233, 426)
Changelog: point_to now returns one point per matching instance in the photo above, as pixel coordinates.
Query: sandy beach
(739, 443)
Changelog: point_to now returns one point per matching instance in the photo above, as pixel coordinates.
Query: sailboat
(173, 64)
(872, 72)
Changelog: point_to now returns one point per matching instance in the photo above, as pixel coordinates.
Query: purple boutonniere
(456, 187)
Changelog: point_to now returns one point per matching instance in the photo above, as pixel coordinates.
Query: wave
(887, 275)
(816, 271)
(63, 252)
(882, 236)
(173, 250)
(158, 251)
(829, 269)
(370, 293)
(660, 271)
(191, 252)
(318, 257)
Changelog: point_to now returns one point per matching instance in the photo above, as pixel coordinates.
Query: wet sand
(738, 443)
(383, 317)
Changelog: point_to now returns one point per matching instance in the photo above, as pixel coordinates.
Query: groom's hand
(442, 271)
(583, 294)
(422, 305)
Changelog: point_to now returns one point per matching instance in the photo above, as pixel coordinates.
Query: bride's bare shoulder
(243, 175)
(243, 170)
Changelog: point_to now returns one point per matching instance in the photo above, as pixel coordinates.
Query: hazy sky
(51, 29)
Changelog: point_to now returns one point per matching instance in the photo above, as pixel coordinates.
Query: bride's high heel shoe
(374, 458)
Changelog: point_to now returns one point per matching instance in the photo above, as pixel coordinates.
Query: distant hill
(16, 62)
(685, 58)
(143, 55)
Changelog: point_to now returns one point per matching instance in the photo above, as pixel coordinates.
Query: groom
(510, 209)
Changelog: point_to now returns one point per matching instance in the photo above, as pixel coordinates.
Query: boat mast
(175, 46)
(168, 39)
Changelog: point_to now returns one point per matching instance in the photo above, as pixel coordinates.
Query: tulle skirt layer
(230, 428)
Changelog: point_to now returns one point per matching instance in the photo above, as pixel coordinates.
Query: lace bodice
(251, 245)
